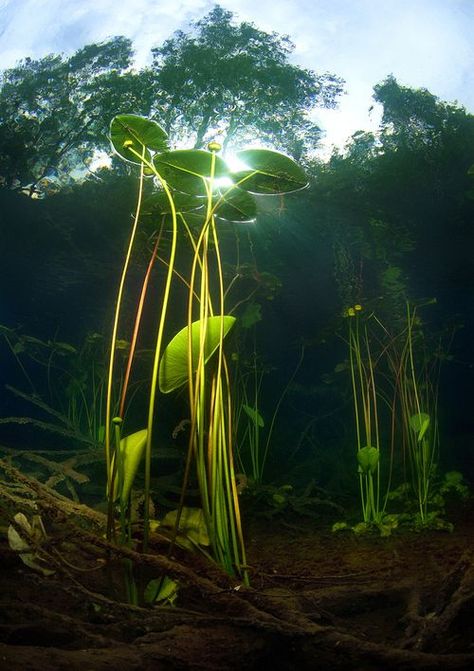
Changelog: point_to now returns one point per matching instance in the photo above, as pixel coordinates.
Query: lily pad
(131, 132)
(185, 169)
(269, 172)
(237, 206)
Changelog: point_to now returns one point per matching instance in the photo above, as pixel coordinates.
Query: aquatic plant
(366, 414)
(195, 189)
(408, 392)
(71, 388)
(255, 437)
(419, 407)
(402, 378)
(444, 489)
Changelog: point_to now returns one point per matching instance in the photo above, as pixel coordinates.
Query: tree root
(307, 628)
(428, 620)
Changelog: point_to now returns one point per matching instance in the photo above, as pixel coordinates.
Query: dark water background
(63, 287)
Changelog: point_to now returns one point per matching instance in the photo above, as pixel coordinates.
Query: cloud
(35, 28)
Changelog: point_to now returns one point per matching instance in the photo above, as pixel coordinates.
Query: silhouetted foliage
(237, 81)
(54, 112)
(395, 204)
(222, 77)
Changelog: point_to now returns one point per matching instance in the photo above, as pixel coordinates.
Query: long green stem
(277, 409)
(362, 370)
(118, 306)
(210, 438)
(156, 360)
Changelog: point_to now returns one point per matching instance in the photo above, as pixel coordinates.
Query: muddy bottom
(317, 600)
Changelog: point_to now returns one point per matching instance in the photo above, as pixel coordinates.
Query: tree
(237, 81)
(395, 204)
(415, 118)
(54, 112)
(221, 78)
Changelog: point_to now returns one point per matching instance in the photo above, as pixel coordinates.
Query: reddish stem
(136, 327)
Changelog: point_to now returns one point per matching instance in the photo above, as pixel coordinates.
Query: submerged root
(79, 616)
(430, 620)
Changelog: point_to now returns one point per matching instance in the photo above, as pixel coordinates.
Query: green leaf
(183, 202)
(195, 219)
(132, 448)
(191, 524)
(64, 346)
(420, 423)
(173, 371)
(361, 528)
(251, 315)
(161, 589)
(101, 433)
(140, 132)
(185, 169)
(269, 172)
(254, 415)
(454, 482)
(368, 458)
(237, 205)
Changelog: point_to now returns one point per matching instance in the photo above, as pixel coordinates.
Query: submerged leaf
(18, 543)
(132, 448)
(173, 371)
(420, 423)
(191, 524)
(368, 458)
(161, 590)
(254, 415)
(251, 315)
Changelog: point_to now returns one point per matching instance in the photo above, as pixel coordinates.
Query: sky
(423, 43)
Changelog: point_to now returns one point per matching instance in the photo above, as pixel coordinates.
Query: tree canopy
(396, 204)
(54, 112)
(221, 77)
(238, 81)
